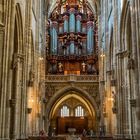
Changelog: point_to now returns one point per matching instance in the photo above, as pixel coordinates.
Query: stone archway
(77, 92)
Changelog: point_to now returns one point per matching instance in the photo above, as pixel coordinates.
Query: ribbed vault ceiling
(51, 4)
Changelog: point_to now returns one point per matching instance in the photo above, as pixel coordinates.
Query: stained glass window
(65, 111)
(79, 111)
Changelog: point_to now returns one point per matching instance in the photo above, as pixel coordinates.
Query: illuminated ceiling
(53, 4)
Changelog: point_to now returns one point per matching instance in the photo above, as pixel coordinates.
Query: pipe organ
(72, 47)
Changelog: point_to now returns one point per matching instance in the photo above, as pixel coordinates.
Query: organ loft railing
(72, 77)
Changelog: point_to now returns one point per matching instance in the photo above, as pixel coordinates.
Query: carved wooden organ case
(73, 40)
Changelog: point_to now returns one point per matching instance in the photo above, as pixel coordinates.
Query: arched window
(65, 111)
(79, 111)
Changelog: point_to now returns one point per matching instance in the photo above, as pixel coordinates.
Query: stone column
(28, 41)
(137, 16)
(126, 97)
(16, 97)
(6, 71)
(119, 97)
(123, 106)
(135, 49)
(2, 33)
(116, 42)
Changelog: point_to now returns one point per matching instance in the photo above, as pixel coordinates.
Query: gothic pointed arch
(74, 93)
(63, 92)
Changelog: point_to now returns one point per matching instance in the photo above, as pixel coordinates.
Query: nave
(69, 64)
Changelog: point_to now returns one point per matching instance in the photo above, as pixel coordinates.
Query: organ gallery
(69, 69)
(73, 40)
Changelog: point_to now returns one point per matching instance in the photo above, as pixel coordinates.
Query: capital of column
(18, 58)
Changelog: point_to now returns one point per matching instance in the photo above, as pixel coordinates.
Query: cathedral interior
(69, 70)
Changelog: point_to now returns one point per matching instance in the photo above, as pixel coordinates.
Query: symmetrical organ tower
(72, 47)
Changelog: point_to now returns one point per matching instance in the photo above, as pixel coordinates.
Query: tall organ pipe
(72, 21)
(78, 23)
(65, 23)
(53, 49)
(90, 38)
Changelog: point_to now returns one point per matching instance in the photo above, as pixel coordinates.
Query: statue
(84, 133)
(60, 67)
(91, 69)
(114, 108)
(83, 67)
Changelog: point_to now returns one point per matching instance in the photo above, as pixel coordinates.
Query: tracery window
(65, 111)
(79, 111)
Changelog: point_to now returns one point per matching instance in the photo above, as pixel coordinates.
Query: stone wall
(20, 51)
(119, 63)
